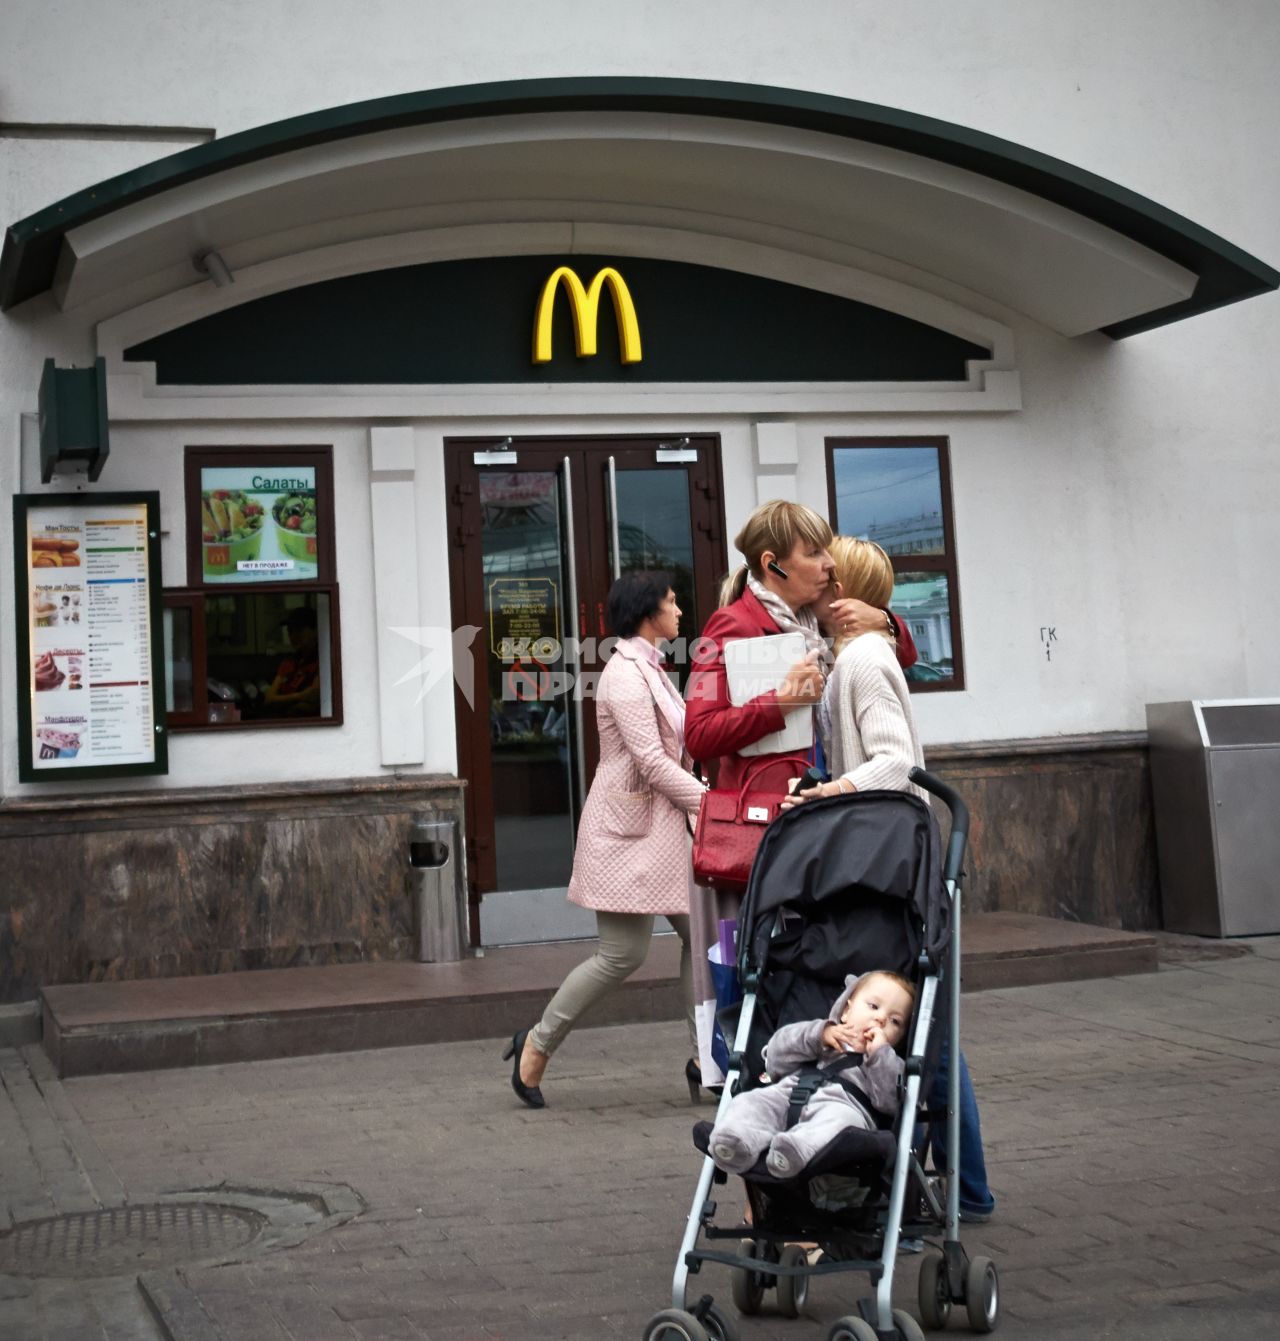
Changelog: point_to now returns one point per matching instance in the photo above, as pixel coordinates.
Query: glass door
(528, 559)
(541, 528)
(649, 493)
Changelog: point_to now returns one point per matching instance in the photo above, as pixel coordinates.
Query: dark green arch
(1225, 274)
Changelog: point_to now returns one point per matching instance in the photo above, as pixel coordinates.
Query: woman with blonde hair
(869, 734)
(787, 569)
(865, 722)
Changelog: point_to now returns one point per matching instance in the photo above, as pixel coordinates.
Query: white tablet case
(754, 666)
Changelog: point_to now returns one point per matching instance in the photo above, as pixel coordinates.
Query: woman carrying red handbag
(788, 567)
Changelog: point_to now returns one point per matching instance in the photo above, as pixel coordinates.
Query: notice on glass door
(90, 634)
(524, 621)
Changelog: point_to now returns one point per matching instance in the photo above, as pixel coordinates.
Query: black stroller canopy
(836, 855)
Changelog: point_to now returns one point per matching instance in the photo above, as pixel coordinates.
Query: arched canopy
(910, 196)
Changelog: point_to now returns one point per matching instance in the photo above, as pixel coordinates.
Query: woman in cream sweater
(865, 722)
(868, 732)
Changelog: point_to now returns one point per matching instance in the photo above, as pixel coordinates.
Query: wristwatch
(892, 627)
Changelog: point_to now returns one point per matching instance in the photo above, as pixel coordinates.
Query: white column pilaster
(777, 458)
(396, 594)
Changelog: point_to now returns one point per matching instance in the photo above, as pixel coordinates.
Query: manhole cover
(127, 1238)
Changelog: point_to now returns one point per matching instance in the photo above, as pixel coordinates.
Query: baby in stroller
(831, 1075)
(841, 884)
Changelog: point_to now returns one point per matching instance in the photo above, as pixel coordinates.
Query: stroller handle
(959, 811)
(959, 818)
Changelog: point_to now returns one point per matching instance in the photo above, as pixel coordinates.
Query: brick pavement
(1131, 1132)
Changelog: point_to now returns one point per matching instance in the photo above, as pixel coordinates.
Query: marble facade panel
(162, 884)
(1060, 827)
(156, 884)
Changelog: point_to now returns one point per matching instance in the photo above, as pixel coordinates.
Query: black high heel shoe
(529, 1094)
(693, 1078)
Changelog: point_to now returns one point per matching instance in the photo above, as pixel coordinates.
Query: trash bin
(1215, 777)
(435, 874)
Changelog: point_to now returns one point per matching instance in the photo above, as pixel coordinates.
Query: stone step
(141, 1025)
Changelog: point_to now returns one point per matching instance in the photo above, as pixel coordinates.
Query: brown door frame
(706, 491)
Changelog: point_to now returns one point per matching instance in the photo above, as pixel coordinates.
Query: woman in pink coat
(631, 862)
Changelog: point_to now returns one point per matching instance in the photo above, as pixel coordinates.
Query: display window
(897, 492)
(252, 640)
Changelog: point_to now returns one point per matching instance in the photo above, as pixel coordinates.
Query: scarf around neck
(790, 621)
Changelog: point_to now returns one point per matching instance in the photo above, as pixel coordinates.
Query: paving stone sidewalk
(1131, 1129)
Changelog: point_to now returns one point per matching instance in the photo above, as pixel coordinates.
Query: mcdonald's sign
(585, 303)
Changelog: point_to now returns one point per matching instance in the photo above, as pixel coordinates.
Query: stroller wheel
(748, 1285)
(982, 1295)
(793, 1291)
(852, 1328)
(719, 1326)
(933, 1294)
(908, 1328)
(674, 1324)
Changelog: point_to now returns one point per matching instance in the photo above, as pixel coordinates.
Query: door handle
(575, 690)
(615, 546)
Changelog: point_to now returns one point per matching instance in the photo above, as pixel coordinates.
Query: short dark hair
(633, 598)
(300, 617)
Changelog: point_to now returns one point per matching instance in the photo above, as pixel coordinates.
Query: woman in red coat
(787, 568)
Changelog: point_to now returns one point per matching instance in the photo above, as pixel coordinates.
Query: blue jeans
(975, 1195)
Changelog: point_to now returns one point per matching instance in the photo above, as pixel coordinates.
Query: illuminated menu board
(88, 574)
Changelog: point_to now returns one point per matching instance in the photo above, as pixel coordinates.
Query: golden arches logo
(585, 303)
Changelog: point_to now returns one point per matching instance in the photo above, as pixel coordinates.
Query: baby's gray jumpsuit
(757, 1120)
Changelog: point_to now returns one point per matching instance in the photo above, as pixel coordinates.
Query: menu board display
(88, 573)
(259, 524)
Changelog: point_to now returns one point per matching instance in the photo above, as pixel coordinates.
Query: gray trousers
(624, 944)
(756, 1121)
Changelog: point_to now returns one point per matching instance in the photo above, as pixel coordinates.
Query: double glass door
(541, 529)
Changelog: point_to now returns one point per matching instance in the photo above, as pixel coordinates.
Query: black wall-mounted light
(73, 417)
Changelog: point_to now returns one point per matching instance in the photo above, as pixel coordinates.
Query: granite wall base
(1061, 827)
(161, 884)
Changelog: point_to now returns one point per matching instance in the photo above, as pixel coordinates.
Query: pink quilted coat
(632, 854)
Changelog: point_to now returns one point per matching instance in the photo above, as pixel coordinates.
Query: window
(252, 640)
(897, 492)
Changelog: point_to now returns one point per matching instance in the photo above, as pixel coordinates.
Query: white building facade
(1018, 243)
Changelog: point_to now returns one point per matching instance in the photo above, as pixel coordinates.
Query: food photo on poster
(44, 607)
(60, 668)
(53, 604)
(59, 737)
(258, 523)
(57, 547)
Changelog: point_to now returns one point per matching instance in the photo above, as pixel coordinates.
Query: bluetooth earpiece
(775, 567)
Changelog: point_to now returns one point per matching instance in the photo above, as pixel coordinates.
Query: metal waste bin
(435, 873)
(1215, 781)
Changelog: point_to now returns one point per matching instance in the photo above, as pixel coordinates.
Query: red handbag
(732, 823)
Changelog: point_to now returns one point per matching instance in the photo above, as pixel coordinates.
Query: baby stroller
(845, 885)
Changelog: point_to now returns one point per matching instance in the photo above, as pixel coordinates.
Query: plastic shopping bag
(728, 994)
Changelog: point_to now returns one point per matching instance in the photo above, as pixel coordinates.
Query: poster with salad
(259, 524)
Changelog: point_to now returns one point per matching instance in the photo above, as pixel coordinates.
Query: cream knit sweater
(870, 733)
